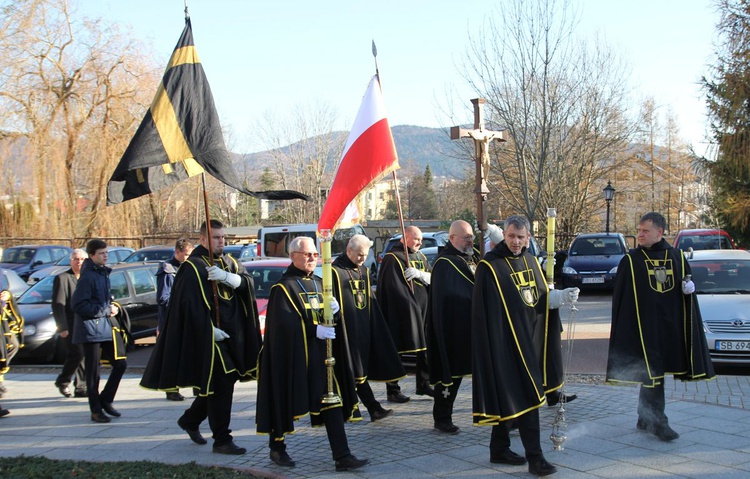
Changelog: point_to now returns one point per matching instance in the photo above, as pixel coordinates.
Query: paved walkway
(713, 419)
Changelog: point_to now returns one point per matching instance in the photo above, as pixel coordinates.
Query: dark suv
(26, 259)
(133, 286)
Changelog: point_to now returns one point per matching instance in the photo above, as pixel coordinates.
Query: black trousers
(217, 407)
(73, 365)
(651, 404)
(528, 428)
(442, 409)
(92, 355)
(422, 375)
(364, 391)
(334, 422)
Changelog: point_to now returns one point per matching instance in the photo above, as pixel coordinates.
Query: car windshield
(150, 255)
(597, 246)
(264, 277)
(17, 255)
(40, 293)
(701, 242)
(719, 276)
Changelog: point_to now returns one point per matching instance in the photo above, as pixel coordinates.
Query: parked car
(116, 254)
(430, 239)
(151, 254)
(242, 252)
(9, 280)
(266, 273)
(722, 288)
(133, 286)
(26, 259)
(700, 239)
(592, 260)
(273, 241)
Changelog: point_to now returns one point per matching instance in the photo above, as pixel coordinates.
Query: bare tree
(561, 101)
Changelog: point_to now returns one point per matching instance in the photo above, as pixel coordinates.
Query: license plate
(595, 279)
(733, 345)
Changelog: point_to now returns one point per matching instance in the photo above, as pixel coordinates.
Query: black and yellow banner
(180, 135)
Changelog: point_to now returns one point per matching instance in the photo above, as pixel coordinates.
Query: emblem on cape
(660, 274)
(358, 290)
(312, 304)
(525, 282)
(417, 263)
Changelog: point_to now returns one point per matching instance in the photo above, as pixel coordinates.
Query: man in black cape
(292, 379)
(402, 292)
(656, 325)
(195, 349)
(448, 328)
(515, 346)
(374, 355)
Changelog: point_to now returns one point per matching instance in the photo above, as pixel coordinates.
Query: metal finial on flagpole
(187, 15)
(375, 55)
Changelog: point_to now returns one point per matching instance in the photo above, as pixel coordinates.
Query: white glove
(230, 279)
(414, 273)
(325, 332)
(335, 308)
(494, 233)
(559, 297)
(220, 335)
(544, 262)
(688, 287)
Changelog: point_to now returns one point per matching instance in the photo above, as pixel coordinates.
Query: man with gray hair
(516, 350)
(62, 309)
(373, 353)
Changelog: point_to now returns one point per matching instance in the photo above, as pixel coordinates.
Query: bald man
(403, 295)
(449, 321)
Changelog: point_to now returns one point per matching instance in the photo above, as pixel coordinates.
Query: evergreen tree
(728, 104)
(422, 199)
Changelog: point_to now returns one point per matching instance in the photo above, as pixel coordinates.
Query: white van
(273, 241)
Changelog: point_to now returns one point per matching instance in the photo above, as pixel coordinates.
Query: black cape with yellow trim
(121, 339)
(515, 337)
(374, 354)
(185, 350)
(292, 370)
(11, 324)
(404, 308)
(656, 329)
(448, 328)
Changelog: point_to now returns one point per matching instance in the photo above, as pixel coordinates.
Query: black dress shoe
(229, 448)
(80, 393)
(554, 398)
(350, 462)
(64, 390)
(99, 417)
(664, 432)
(110, 410)
(195, 434)
(381, 414)
(398, 397)
(507, 457)
(175, 396)
(426, 391)
(540, 467)
(281, 458)
(642, 424)
(4, 412)
(447, 427)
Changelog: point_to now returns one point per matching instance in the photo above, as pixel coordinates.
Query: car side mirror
(36, 263)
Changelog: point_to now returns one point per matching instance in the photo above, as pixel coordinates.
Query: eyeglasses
(306, 254)
(468, 237)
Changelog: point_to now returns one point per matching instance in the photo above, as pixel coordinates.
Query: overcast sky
(262, 55)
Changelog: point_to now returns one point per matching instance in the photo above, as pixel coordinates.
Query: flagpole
(395, 181)
(214, 284)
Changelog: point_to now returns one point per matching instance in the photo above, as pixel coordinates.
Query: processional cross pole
(482, 138)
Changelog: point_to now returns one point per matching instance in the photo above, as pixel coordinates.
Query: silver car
(722, 287)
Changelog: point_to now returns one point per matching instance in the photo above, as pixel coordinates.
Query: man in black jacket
(62, 309)
(93, 310)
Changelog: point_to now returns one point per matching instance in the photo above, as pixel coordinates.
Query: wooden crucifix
(482, 140)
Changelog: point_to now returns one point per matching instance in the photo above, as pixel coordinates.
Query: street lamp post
(609, 194)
